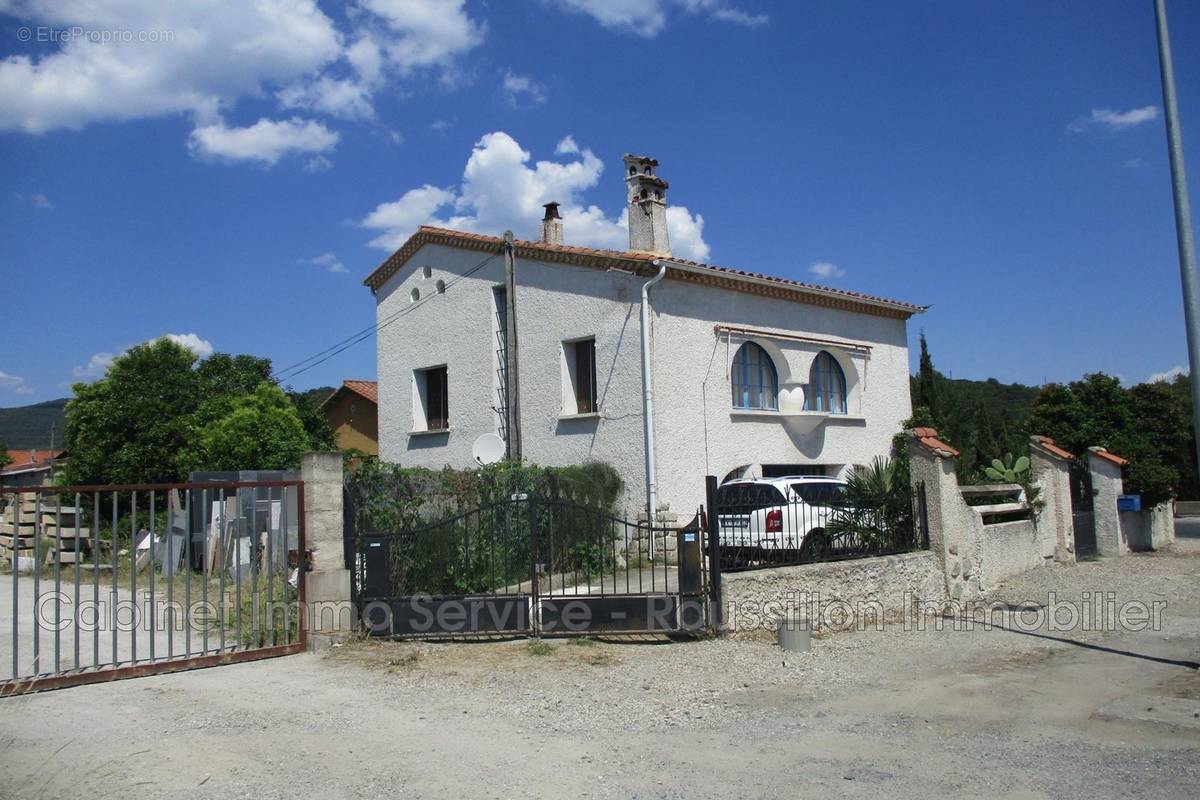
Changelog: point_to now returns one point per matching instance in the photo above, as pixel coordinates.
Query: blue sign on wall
(1129, 502)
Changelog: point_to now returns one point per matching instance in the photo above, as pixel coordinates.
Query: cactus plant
(1008, 470)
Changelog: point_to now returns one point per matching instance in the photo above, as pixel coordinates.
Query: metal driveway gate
(110, 582)
(1083, 516)
(527, 566)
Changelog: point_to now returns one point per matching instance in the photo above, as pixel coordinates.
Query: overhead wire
(298, 368)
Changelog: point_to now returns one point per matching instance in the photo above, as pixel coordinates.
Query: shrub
(464, 531)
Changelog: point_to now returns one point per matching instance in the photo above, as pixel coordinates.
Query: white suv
(777, 518)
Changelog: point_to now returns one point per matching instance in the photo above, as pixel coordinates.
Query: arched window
(755, 384)
(826, 386)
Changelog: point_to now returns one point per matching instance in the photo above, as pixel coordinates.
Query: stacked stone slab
(25, 519)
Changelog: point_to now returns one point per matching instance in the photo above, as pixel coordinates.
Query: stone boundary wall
(974, 557)
(1150, 528)
(832, 594)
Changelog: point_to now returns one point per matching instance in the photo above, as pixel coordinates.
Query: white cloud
(330, 262)
(338, 97)
(426, 33)
(201, 347)
(201, 59)
(265, 141)
(317, 164)
(1169, 376)
(648, 17)
(827, 271)
(566, 146)
(208, 55)
(97, 365)
(38, 200)
(521, 91)
(1114, 121)
(14, 384)
(739, 17)
(500, 190)
(399, 218)
(1133, 163)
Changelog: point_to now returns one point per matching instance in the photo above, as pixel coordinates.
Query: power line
(290, 372)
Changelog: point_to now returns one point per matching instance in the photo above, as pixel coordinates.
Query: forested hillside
(1150, 423)
(28, 427)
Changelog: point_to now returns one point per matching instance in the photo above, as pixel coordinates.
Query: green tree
(260, 431)
(225, 374)
(925, 393)
(152, 404)
(1058, 413)
(1149, 424)
(128, 426)
(312, 416)
(4, 459)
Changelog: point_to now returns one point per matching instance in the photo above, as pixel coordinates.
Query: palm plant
(878, 510)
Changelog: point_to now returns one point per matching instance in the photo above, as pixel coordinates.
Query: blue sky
(228, 173)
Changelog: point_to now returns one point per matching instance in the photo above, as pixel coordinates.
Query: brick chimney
(552, 227)
(647, 206)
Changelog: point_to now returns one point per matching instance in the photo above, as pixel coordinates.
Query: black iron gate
(526, 566)
(1083, 518)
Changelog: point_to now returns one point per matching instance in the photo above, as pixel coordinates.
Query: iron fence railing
(761, 525)
(525, 545)
(110, 581)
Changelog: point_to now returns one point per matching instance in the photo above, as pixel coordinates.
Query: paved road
(41, 649)
(899, 713)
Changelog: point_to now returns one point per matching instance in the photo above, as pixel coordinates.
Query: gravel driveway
(908, 713)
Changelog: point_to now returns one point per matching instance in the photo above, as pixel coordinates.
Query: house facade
(352, 412)
(749, 375)
(31, 467)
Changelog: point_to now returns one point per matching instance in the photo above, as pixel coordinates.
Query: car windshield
(820, 494)
(742, 498)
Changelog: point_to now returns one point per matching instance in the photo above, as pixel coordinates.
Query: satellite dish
(488, 449)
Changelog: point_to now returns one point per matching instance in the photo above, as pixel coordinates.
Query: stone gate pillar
(1051, 470)
(1106, 486)
(327, 586)
(931, 464)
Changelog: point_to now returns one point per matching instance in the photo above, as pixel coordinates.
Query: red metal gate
(111, 582)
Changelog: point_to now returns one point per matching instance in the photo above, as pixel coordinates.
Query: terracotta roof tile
(368, 389)
(365, 389)
(25, 459)
(928, 437)
(1107, 456)
(1051, 447)
(804, 291)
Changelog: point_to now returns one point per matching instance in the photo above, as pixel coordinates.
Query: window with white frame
(754, 379)
(579, 384)
(431, 409)
(826, 386)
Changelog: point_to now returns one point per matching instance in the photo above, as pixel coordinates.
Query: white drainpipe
(648, 399)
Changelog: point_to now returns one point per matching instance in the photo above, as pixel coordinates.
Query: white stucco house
(749, 374)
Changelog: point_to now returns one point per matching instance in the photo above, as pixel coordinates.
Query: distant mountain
(29, 426)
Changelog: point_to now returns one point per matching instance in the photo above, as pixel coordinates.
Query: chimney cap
(551, 211)
(631, 157)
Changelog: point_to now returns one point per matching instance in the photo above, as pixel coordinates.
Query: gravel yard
(910, 713)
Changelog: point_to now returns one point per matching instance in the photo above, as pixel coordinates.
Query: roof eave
(426, 235)
(816, 291)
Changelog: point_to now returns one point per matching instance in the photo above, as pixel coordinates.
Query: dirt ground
(910, 713)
